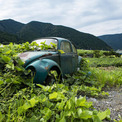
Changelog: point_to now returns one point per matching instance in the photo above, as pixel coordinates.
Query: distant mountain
(113, 40)
(33, 30)
(6, 38)
(10, 26)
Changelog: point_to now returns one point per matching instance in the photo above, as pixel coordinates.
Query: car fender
(42, 67)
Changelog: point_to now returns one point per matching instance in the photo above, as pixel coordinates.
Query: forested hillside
(6, 38)
(113, 40)
(34, 30)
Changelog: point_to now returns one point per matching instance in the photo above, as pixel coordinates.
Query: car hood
(27, 57)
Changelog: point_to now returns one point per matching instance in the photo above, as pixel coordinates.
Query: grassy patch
(105, 62)
(107, 76)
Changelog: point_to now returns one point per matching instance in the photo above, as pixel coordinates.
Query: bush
(110, 53)
(96, 53)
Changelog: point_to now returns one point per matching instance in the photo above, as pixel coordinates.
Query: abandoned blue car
(53, 63)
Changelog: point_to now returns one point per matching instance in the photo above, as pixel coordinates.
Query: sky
(97, 17)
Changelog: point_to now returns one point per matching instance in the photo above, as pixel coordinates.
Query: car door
(66, 57)
(74, 58)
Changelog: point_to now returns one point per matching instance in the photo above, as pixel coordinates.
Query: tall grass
(88, 52)
(106, 77)
(105, 62)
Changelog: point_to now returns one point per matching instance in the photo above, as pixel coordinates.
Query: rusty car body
(43, 61)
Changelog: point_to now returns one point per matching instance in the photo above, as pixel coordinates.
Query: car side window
(65, 46)
(74, 49)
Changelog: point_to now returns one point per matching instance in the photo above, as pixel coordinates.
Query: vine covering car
(60, 57)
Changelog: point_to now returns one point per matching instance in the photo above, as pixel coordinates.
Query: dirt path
(113, 102)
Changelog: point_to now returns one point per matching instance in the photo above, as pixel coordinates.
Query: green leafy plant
(21, 100)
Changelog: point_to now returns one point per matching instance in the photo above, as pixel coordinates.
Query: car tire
(32, 72)
(52, 77)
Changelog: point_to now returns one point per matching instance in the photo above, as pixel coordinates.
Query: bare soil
(108, 68)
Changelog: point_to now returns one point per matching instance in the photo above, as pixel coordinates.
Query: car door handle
(73, 56)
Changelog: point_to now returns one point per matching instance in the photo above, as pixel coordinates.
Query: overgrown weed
(21, 100)
(106, 77)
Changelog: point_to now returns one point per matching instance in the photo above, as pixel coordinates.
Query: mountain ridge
(35, 29)
(113, 40)
(10, 26)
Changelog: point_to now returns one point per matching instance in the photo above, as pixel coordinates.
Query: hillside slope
(113, 40)
(6, 38)
(10, 26)
(34, 30)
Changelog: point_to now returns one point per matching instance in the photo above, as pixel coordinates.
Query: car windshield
(52, 43)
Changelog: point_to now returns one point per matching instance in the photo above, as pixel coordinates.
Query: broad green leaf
(54, 95)
(94, 89)
(26, 106)
(81, 101)
(33, 101)
(79, 111)
(33, 119)
(20, 62)
(47, 113)
(1, 117)
(60, 105)
(10, 66)
(18, 68)
(68, 113)
(43, 98)
(61, 51)
(69, 104)
(20, 110)
(86, 114)
(34, 44)
(8, 80)
(96, 119)
(16, 82)
(103, 115)
(1, 81)
(45, 88)
(105, 93)
(62, 119)
(6, 59)
(8, 52)
(53, 45)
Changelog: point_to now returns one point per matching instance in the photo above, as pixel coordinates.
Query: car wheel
(52, 77)
(32, 73)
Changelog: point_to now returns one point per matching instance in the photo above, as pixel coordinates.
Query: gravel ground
(113, 102)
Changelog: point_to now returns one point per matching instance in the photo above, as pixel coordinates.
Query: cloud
(78, 14)
(102, 28)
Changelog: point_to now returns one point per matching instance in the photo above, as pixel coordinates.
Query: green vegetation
(21, 100)
(105, 67)
(98, 53)
(105, 62)
(107, 76)
(6, 38)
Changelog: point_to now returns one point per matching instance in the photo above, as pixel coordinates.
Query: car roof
(57, 38)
